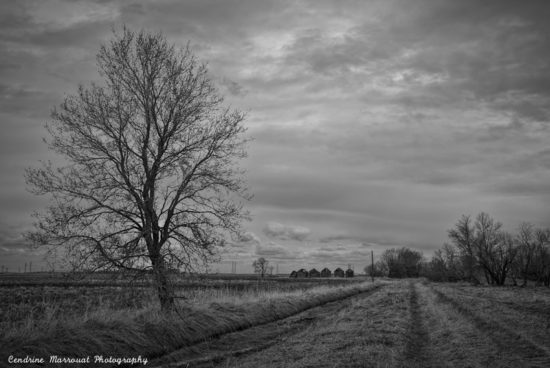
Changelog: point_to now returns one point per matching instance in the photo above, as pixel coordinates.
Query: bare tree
(494, 249)
(151, 181)
(403, 262)
(485, 246)
(541, 264)
(447, 264)
(261, 266)
(525, 252)
(462, 236)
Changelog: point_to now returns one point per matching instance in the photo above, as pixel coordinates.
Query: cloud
(286, 232)
(276, 251)
(12, 241)
(24, 101)
(372, 125)
(232, 87)
(363, 240)
(249, 237)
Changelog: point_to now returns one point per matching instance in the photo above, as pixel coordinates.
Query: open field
(400, 324)
(342, 323)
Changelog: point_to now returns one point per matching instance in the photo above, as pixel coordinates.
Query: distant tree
(484, 246)
(378, 270)
(541, 264)
(261, 266)
(402, 262)
(494, 249)
(445, 265)
(462, 237)
(526, 249)
(150, 182)
(390, 259)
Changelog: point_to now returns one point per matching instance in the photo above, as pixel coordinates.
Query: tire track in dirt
(417, 352)
(518, 347)
(254, 339)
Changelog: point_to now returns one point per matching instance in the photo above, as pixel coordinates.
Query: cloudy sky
(376, 123)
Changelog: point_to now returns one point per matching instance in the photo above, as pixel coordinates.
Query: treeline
(398, 263)
(479, 250)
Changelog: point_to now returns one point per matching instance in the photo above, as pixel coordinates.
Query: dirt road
(400, 324)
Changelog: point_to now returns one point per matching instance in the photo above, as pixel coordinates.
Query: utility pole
(372, 265)
(30, 267)
(25, 267)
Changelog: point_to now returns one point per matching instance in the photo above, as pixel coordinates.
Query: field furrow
(513, 339)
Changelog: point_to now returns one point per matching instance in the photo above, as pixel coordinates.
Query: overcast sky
(376, 124)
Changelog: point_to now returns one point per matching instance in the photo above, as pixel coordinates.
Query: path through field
(400, 324)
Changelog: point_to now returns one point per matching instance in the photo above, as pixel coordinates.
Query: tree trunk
(164, 289)
(487, 278)
(165, 293)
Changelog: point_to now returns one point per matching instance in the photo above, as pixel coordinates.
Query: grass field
(284, 323)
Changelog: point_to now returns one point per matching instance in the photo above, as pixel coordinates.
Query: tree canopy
(151, 180)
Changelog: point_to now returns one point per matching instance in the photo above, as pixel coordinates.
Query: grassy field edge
(151, 334)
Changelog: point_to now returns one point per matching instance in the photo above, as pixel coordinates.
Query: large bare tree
(150, 180)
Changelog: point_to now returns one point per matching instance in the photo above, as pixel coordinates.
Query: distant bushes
(481, 250)
(397, 263)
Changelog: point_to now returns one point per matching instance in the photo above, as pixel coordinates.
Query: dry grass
(144, 331)
(519, 335)
(403, 324)
(454, 341)
(366, 331)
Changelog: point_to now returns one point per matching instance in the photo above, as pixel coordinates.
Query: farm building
(293, 274)
(325, 272)
(314, 273)
(339, 272)
(349, 272)
(302, 273)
